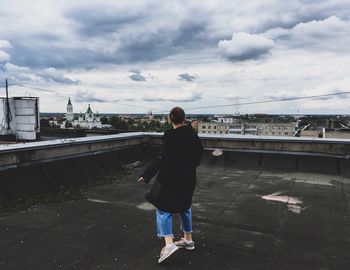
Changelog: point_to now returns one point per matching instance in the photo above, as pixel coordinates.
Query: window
(209, 127)
(214, 127)
(203, 127)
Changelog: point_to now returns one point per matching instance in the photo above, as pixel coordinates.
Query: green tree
(44, 122)
(104, 120)
(131, 122)
(118, 123)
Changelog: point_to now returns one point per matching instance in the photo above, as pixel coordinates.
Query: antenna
(7, 106)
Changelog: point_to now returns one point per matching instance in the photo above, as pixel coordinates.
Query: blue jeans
(165, 222)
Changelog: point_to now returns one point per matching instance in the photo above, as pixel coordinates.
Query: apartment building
(213, 128)
(263, 129)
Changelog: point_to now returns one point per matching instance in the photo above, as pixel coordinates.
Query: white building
(226, 120)
(265, 129)
(20, 116)
(70, 113)
(86, 120)
(213, 128)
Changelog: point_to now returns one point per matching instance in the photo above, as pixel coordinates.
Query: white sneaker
(167, 251)
(182, 243)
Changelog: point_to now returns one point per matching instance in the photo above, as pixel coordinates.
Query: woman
(174, 186)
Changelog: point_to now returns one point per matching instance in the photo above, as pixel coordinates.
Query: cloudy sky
(127, 56)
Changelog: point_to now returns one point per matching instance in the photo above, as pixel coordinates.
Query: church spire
(70, 113)
(89, 110)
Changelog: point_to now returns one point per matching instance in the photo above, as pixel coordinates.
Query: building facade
(213, 128)
(262, 129)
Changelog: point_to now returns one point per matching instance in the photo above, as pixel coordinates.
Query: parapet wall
(24, 154)
(36, 168)
(337, 148)
(328, 156)
(12, 156)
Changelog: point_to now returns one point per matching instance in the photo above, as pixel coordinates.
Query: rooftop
(245, 217)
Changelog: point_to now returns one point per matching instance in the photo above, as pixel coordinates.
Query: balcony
(265, 203)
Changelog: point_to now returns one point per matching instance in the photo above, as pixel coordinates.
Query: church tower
(69, 114)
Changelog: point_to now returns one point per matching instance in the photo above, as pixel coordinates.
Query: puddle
(294, 204)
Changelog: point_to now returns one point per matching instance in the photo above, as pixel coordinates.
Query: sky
(132, 56)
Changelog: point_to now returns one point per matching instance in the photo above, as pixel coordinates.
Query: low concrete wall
(24, 154)
(272, 144)
(30, 169)
(28, 153)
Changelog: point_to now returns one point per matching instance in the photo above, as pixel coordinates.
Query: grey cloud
(87, 96)
(332, 94)
(62, 80)
(330, 34)
(190, 98)
(291, 97)
(19, 78)
(136, 71)
(324, 98)
(118, 33)
(123, 33)
(100, 20)
(20, 74)
(186, 77)
(244, 46)
(112, 36)
(4, 57)
(277, 97)
(192, 34)
(136, 76)
(44, 54)
(59, 79)
(340, 96)
(235, 98)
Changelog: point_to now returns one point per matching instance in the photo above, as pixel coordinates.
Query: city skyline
(130, 57)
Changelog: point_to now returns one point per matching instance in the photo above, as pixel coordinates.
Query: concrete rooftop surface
(243, 219)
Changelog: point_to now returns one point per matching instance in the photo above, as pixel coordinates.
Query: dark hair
(177, 115)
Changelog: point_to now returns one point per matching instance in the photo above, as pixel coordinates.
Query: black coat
(175, 183)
